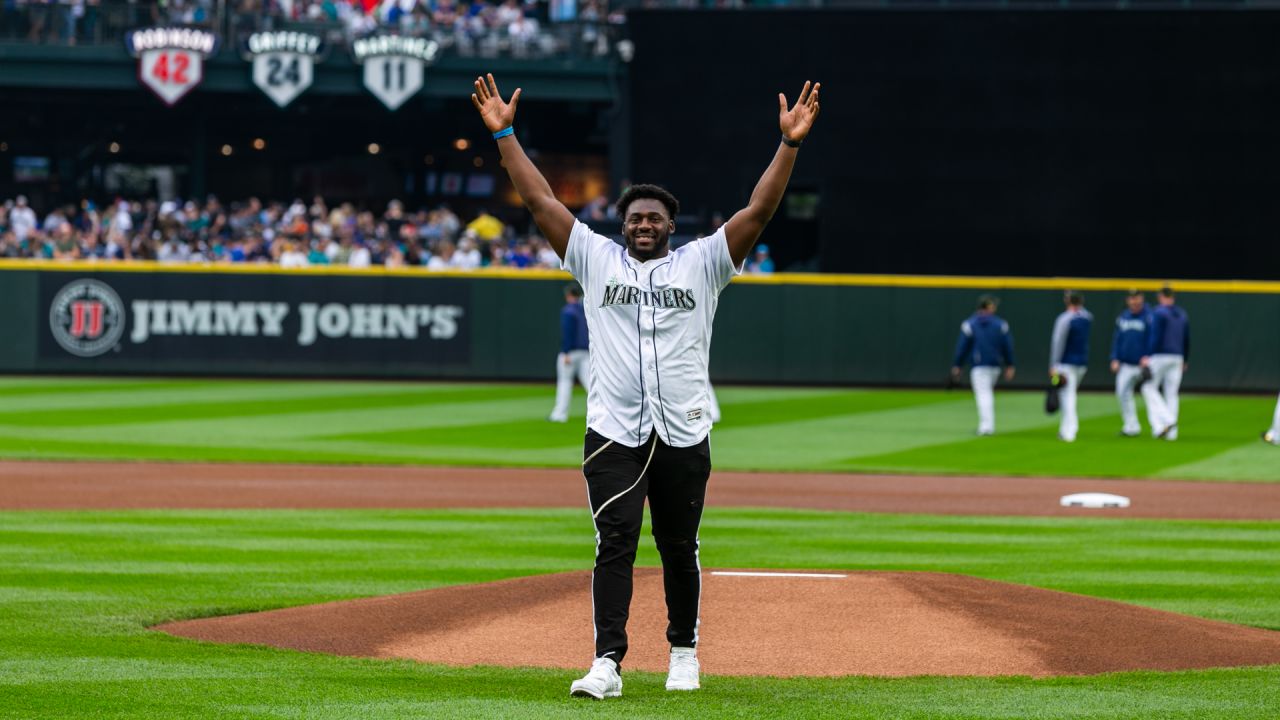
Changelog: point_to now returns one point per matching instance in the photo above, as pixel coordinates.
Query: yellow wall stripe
(851, 280)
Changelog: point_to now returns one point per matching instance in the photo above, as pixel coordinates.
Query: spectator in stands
(22, 219)
(760, 262)
(316, 254)
(290, 255)
(10, 246)
(173, 250)
(116, 246)
(467, 256)
(443, 258)
(486, 227)
(547, 257)
(520, 256)
(361, 256)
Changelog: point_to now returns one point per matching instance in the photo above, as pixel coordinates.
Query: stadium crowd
(469, 26)
(294, 234)
(289, 234)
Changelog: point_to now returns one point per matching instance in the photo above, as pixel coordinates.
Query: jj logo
(86, 318)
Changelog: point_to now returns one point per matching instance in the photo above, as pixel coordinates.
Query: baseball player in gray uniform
(649, 310)
(1069, 358)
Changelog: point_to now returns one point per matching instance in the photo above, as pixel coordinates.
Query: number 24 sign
(283, 62)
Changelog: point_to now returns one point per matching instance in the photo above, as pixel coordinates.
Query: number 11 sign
(171, 59)
(394, 65)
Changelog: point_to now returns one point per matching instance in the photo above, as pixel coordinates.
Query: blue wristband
(508, 130)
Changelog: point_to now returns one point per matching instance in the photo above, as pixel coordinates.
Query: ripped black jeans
(675, 483)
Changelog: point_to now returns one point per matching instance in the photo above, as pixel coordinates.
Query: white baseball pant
(1069, 426)
(578, 367)
(1161, 393)
(983, 379)
(1275, 424)
(1126, 379)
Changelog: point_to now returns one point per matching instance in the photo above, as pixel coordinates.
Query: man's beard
(660, 243)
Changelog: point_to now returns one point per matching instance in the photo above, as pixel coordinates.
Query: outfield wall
(784, 329)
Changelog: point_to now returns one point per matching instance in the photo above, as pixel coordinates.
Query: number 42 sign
(283, 63)
(171, 59)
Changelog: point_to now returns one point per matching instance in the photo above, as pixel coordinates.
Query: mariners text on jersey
(650, 324)
(617, 294)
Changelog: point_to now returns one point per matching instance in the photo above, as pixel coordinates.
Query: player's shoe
(683, 671)
(1169, 432)
(1122, 433)
(602, 681)
(557, 419)
(1271, 438)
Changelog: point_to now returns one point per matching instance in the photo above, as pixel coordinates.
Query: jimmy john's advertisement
(146, 321)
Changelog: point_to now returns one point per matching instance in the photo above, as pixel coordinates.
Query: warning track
(94, 485)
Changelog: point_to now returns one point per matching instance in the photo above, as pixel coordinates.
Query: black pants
(676, 485)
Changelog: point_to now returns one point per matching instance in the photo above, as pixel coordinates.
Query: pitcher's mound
(766, 623)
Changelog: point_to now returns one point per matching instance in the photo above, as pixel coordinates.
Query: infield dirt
(889, 624)
(95, 485)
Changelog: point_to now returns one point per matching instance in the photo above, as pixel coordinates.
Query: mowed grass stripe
(13, 388)
(198, 392)
(535, 434)
(772, 411)
(1209, 426)
(830, 443)
(295, 404)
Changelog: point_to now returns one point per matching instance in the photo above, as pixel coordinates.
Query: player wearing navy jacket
(1069, 358)
(984, 343)
(1128, 348)
(1168, 351)
(574, 360)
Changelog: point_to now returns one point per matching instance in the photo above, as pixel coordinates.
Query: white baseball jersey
(650, 326)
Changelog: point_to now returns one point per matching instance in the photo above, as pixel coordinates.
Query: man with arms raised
(649, 310)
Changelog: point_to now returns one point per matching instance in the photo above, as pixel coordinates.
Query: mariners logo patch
(86, 318)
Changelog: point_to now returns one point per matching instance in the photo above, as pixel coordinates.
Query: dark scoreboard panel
(1073, 142)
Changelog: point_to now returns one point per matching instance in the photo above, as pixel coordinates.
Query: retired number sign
(394, 66)
(171, 59)
(283, 63)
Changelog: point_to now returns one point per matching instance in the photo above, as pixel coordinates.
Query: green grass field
(78, 589)
(479, 424)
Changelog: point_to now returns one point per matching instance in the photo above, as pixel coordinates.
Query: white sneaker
(603, 681)
(683, 671)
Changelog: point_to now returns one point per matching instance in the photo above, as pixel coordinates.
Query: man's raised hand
(496, 114)
(796, 122)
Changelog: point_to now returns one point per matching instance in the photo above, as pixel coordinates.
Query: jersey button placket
(649, 363)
